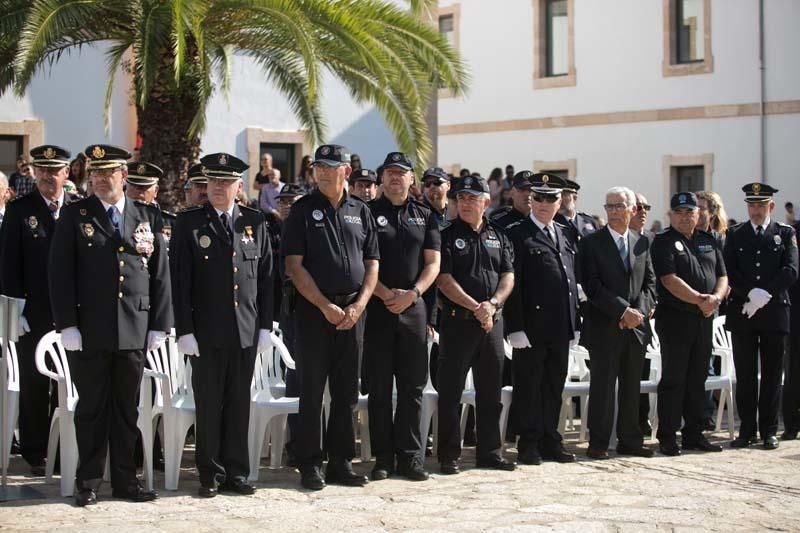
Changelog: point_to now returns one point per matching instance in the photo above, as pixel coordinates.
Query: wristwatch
(495, 303)
(416, 290)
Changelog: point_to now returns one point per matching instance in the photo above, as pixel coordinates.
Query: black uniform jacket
(222, 290)
(113, 290)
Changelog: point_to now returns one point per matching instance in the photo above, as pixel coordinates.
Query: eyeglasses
(545, 198)
(616, 207)
(646, 207)
(432, 183)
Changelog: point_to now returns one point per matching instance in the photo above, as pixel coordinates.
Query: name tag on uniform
(492, 243)
(705, 248)
(416, 221)
(352, 219)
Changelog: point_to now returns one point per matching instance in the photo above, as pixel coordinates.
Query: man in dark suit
(617, 276)
(791, 382)
(27, 232)
(578, 225)
(222, 267)
(111, 300)
(541, 320)
(761, 258)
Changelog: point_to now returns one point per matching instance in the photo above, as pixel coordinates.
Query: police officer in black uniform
(222, 268)
(520, 206)
(761, 259)
(143, 186)
(578, 225)
(27, 233)
(791, 382)
(395, 348)
(477, 276)
(435, 186)
(198, 194)
(365, 184)
(692, 281)
(541, 320)
(110, 292)
(331, 250)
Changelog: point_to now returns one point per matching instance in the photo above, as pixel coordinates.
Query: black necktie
(224, 219)
(759, 234)
(113, 216)
(54, 209)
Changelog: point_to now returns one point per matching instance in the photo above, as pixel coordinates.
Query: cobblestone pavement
(748, 489)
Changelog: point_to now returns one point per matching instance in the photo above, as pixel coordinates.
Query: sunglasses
(646, 207)
(545, 198)
(432, 183)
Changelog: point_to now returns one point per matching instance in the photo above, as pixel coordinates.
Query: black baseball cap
(683, 200)
(473, 184)
(332, 155)
(397, 159)
(290, 190)
(522, 179)
(364, 174)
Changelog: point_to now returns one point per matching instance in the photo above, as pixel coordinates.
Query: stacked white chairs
(721, 342)
(268, 410)
(576, 385)
(11, 404)
(430, 401)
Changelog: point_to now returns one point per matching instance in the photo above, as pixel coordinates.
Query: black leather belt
(342, 300)
(465, 314)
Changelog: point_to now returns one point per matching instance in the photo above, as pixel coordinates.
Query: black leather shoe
(412, 470)
(38, 469)
(496, 463)
(86, 497)
(771, 443)
(559, 456)
(530, 456)
(669, 449)
(384, 467)
(743, 442)
(789, 434)
(237, 486)
(701, 445)
(636, 451)
(342, 474)
(595, 453)
(449, 467)
(207, 492)
(311, 478)
(709, 425)
(135, 493)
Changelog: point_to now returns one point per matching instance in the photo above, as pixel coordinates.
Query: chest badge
(88, 230)
(382, 221)
(460, 244)
(247, 236)
(143, 239)
(777, 239)
(679, 246)
(166, 232)
(205, 241)
(83, 212)
(33, 222)
(317, 215)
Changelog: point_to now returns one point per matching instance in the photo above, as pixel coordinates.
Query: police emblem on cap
(682, 198)
(49, 153)
(679, 246)
(324, 150)
(317, 215)
(223, 159)
(467, 182)
(205, 241)
(365, 172)
(545, 178)
(98, 153)
(396, 157)
(33, 222)
(777, 239)
(382, 221)
(460, 244)
(141, 169)
(756, 188)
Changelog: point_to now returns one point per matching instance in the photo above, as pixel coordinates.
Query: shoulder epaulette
(513, 224)
(559, 224)
(191, 209)
(248, 208)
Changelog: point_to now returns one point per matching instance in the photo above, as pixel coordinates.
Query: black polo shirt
(697, 261)
(476, 259)
(334, 241)
(404, 231)
(440, 218)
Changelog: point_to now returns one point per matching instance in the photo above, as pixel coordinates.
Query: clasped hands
(345, 318)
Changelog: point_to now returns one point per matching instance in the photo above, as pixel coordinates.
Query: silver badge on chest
(460, 244)
(317, 215)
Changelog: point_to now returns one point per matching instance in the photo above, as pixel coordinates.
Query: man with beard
(520, 201)
(578, 225)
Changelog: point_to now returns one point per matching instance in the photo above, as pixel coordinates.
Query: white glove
(23, 326)
(749, 309)
(759, 298)
(264, 340)
(155, 340)
(581, 295)
(187, 345)
(519, 340)
(71, 339)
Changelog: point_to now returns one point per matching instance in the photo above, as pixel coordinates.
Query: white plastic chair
(62, 425)
(268, 410)
(430, 402)
(361, 411)
(576, 385)
(174, 388)
(11, 399)
(721, 347)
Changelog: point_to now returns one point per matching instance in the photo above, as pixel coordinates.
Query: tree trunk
(163, 126)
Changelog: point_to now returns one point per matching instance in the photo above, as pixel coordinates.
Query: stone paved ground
(736, 490)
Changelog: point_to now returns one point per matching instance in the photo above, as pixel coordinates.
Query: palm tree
(179, 52)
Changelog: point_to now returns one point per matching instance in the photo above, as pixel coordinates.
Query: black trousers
(685, 348)
(395, 350)
(620, 359)
(539, 374)
(221, 381)
(750, 347)
(105, 417)
(791, 382)
(36, 401)
(325, 354)
(465, 345)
